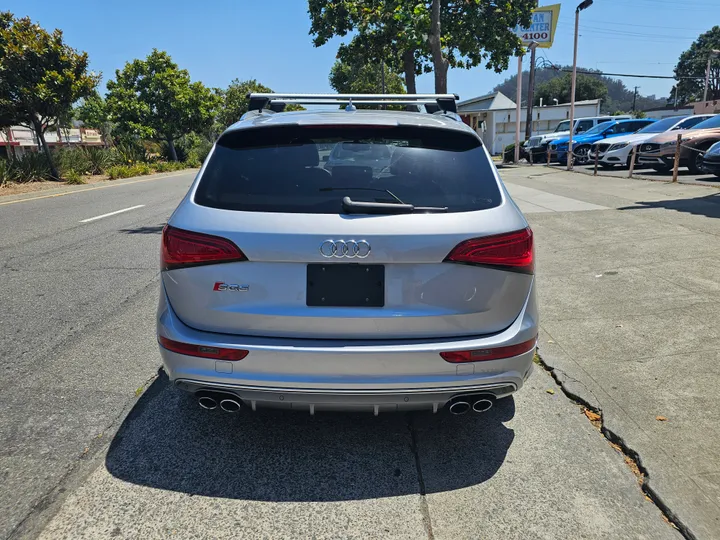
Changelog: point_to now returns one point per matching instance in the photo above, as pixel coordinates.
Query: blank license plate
(346, 285)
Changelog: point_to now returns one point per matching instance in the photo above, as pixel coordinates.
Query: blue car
(583, 142)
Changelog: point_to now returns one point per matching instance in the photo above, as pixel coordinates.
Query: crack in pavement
(632, 458)
(424, 508)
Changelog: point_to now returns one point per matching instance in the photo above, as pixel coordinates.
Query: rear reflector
(513, 251)
(484, 355)
(182, 248)
(203, 351)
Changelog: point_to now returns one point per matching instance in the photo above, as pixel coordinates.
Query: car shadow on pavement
(168, 442)
(708, 205)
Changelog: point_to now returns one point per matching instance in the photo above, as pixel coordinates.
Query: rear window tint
(294, 169)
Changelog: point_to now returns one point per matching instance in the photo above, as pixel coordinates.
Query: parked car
(710, 161)
(582, 143)
(619, 150)
(659, 151)
(285, 284)
(538, 144)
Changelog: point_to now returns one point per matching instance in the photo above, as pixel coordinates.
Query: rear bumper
(363, 375)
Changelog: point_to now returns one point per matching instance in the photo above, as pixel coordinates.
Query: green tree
(93, 112)
(154, 99)
(363, 79)
(434, 34)
(693, 63)
(40, 77)
(234, 101)
(587, 87)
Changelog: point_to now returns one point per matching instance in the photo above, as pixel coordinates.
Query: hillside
(620, 97)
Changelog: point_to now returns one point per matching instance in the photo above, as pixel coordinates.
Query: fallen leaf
(550, 391)
(599, 275)
(592, 416)
(618, 326)
(661, 419)
(550, 341)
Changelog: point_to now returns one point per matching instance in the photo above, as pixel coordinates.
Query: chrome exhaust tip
(482, 405)
(206, 402)
(459, 407)
(230, 405)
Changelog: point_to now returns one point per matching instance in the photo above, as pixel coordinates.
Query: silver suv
(408, 286)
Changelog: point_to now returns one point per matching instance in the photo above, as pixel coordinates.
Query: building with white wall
(493, 117)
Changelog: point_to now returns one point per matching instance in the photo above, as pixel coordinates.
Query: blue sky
(268, 40)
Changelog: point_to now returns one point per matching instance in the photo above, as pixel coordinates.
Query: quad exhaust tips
(477, 403)
(212, 400)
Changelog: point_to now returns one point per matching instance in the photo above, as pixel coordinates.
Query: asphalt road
(97, 444)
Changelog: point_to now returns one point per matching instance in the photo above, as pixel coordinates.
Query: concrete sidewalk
(629, 309)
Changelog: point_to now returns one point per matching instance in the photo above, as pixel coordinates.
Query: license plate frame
(345, 285)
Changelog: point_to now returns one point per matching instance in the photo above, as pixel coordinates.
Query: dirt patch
(12, 188)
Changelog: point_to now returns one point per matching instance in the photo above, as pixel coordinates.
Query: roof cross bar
(443, 102)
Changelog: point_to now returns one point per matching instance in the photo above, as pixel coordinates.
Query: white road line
(112, 213)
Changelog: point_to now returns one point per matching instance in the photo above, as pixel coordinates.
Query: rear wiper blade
(363, 189)
(360, 207)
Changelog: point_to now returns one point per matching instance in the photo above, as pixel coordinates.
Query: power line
(555, 67)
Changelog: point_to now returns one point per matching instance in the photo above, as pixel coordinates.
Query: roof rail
(276, 102)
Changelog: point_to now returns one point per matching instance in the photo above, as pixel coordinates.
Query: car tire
(694, 162)
(582, 154)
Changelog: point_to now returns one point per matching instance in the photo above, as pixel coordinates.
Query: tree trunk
(43, 143)
(440, 63)
(171, 146)
(409, 68)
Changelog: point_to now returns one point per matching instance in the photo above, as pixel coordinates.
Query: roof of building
(495, 100)
(500, 102)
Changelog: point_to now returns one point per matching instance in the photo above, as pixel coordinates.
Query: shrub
(101, 159)
(140, 169)
(73, 178)
(32, 167)
(191, 147)
(119, 171)
(192, 162)
(131, 152)
(72, 159)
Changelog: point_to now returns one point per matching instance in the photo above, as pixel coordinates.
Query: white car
(618, 151)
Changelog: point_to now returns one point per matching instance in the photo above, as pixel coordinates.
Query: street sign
(542, 26)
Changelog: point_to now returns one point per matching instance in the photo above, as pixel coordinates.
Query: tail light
(182, 248)
(203, 351)
(485, 355)
(512, 251)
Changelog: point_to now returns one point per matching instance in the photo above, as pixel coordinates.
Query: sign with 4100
(542, 26)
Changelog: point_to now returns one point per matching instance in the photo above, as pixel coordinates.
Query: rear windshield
(294, 169)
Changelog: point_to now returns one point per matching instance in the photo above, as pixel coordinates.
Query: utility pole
(583, 5)
(635, 98)
(531, 91)
(516, 157)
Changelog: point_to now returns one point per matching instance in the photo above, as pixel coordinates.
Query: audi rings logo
(349, 249)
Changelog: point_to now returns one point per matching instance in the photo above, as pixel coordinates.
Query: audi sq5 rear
(352, 287)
